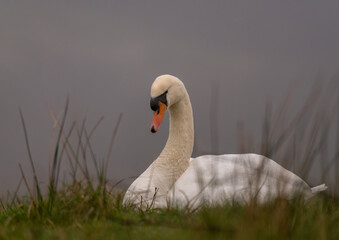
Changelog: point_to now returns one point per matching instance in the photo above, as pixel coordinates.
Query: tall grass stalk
(303, 143)
(38, 191)
(77, 158)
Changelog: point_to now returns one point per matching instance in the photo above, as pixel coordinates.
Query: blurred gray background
(233, 55)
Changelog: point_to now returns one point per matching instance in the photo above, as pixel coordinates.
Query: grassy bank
(82, 212)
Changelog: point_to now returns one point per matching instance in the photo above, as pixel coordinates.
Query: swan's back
(214, 179)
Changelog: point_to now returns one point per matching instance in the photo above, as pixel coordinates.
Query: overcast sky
(106, 54)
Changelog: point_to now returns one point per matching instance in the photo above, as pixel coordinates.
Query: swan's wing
(241, 177)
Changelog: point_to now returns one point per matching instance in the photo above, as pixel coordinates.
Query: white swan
(176, 179)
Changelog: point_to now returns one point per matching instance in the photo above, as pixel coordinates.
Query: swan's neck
(174, 158)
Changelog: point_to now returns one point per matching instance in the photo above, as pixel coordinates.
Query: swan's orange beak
(157, 117)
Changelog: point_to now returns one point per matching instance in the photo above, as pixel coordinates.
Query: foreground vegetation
(81, 212)
(84, 208)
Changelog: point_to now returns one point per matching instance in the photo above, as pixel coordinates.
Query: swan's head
(166, 91)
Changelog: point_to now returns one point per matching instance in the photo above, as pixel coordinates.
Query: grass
(81, 212)
(85, 207)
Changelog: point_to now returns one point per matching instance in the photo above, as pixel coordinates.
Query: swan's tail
(318, 189)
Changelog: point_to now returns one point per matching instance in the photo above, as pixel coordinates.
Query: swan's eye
(155, 101)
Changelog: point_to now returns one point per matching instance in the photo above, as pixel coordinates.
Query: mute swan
(175, 179)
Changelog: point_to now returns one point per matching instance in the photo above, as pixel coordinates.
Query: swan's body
(176, 179)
